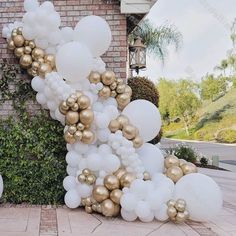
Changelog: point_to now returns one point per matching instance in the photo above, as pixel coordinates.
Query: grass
(213, 117)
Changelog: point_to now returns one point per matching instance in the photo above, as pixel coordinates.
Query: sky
(205, 26)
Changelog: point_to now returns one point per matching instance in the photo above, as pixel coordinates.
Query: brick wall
(71, 12)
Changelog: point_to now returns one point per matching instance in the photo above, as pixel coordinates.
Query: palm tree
(157, 39)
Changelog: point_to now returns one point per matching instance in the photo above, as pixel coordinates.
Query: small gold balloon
(100, 193)
(19, 52)
(81, 178)
(75, 107)
(187, 215)
(171, 203)
(171, 160)
(116, 195)
(99, 208)
(35, 65)
(78, 94)
(40, 60)
(80, 126)
(171, 212)
(72, 117)
(50, 59)
(181, 201)
(94, 207)
(120, 81)
(27, 50)
(146, 176)
(19, 30)
(38, 53)
(111, 182)
(123, 100)
(128, 90)
(69, 138)
(11, 45)
(88, 201)
(86, 116)
(44, 69)
(116, 210)
(123, 120)
(105, 92)
(72, 129)
(137, 142)
(83, 101)
(113, 86)
(91, 179)
(86, 172)
(129, 131)
(174, 173)
(26, 43)
(180, 207)
(18, 40)
(25, 61)
(13, 34)
(114, 125)
(127, 179)
(108, 207)
(83, 201)
(120, 88)
(189, 168)
(32, 44)
(120, 172)
(70, 101)
(88, 137)
(180, 217)
(113, 93)
(78, 135)
(182, 162)
(94, 77)
(108, 77)
(88, 209)
(64, 106)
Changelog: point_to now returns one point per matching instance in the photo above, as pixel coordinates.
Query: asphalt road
(226, 153)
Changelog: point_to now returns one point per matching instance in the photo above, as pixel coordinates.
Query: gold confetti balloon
(100, 193)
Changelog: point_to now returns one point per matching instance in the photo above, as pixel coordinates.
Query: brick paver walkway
(20, 220)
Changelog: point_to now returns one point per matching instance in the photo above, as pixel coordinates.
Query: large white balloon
(74, 61)
(202, 195)
(1, 186)
(145, 116)
(152, 158)
(69, 183)
(72, 199)
(31, 5)
(95, 32)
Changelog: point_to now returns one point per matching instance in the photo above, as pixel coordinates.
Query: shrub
(204, 161)
(226, 136)
(184, 151)
(144, 88)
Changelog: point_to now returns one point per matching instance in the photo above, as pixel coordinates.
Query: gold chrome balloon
(171, 212)
(182, 162)
(78, 135)
(100, 193)
(86, 116)
(108, 208)
(88, 137)
(146, 176)
(116, 195)
(114, 125)
(129, 131)
(69, 138)
(81, 178)
(50, 59)
(72, 117)
(70, 101)
(127, 179)
(72, 129)
(83, 101)
(88, 209)
(26, 61)
(120, 88)
(86, 172)
(80, 126)
(189, 168)
(111, 182)
(27, 50)
(113, 93)
(94, 77)
(180, 217)
(35, 65)
(32, 44)
(44, 68)
(18, 40)
(116, 210)
(113, 86)
(171, 203)
(120, 172)
(137, 142)
(171, 160)
(174, 173)
(123, 100)
(108, 77)
(105, 92)
(128, 90)
(91, 179)
(19, 30)
(19, 52)
(123, 120)
(75, 107)
(11, 45)
(38, 53)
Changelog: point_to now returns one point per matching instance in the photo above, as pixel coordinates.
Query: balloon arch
(111, 167)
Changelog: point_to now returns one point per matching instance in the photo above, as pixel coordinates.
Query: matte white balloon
(74, 61)
(84, 190)
(202, 195)
(72, 199)
(94, 161)
(31, 5)
(111, 163)
(128, 201)
(73, 158)
(145, 116)
(148, 218)
(128, 215)
(161, 213)
(69, 183)
(142, 209)
(95, 32)
(37, 84)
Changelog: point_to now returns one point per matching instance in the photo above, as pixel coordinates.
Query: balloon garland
(111, 168)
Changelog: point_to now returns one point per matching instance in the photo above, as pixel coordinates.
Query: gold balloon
(72, 129)
(189, 168)
(19, 52)
(181, 201)
(180, 217)
(70, 101)
(119, 173)
(35, 65)
(113, 86)
(25, 61)
(44, 69)
(182, 162)
(123, 120)
(88, 209)
(40, 60)
(88, 201)
(129, 131)
(128, 90)
(75, 107)
(86, 116)
(94, 207)
(80, 126)
(146, 176)
(105, 92)
(26, 43)
(72, 117)
(123, 100)
(116, 210)
(171, 212)
(86, 172)
(120, 81)
(108, 77)
(108, 208)
(120, 88)
(171, 160)
(83, 101)
(18, 40)
(99, 208)
(50, 59)
(38, 53)
(83, 201)
(114, 126)
(174, 173)
(111, 182)
(32, 72)
(78, 135)
(171, 203)
(127, 179)
(180, 207)
(116, 195)
(137, 142)
(94, 77)
(91, 179)
(187, 215)
(27, 50)
(19, 30)
(13, 34)
(88, 137)
(113, 93)
(100, 193)
(11, 45)
(32, 44)
(69, 138)
(81, 178)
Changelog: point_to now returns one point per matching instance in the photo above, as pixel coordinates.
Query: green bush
(32, 160)
(184, 151)
(204, 134)
(204, 161)
(143, 88)
(226, 136)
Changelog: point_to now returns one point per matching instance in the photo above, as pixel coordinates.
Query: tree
(223, 66)
(157, 39)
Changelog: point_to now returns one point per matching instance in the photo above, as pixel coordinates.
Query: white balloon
(145, 116)
(128, 201)
(74, 61)
(155, 200)
(55, 37)
(42, 43)
(31, 5)
(69, 183)
(73, 158)
(202, 195)
(81, 147)
(28, 33)
(94, 161)
(111, 163)
(152, 158)
(104, 149)
(41, 99)
(71, 170)
(67, 34)
(95, 32)
(48, 6)
(148, 218)
(139, 188)
(1, 186)
(72, 199)
(161, 213)
(37, 83)
(128, 215)
(142, 209)
(85, 190)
